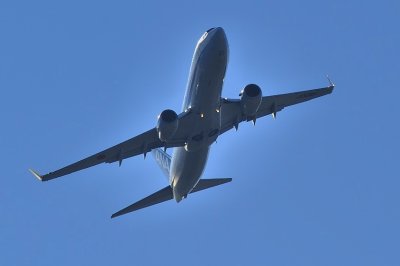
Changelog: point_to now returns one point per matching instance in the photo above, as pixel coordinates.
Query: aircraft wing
(231, 112)
(140, 144)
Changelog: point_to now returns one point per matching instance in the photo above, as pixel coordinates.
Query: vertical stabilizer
(163, 160)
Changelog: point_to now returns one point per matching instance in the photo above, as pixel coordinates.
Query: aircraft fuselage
(205, 116)
(202, 97)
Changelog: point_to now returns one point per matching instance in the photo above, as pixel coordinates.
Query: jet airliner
(205, 116)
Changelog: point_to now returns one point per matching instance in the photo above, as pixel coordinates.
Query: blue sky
(317, 186)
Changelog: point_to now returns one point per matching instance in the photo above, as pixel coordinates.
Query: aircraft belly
(203, 99)
(186, 169)
(207, 89)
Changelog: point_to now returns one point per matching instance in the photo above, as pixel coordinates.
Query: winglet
(36, 174)
(330, 82)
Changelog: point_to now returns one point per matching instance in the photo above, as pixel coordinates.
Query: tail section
(163, 160)
(166, 194)
(155, 198)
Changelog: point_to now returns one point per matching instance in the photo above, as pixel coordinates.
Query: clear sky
(317, 186)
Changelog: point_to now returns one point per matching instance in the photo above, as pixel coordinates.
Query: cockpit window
(210, 30)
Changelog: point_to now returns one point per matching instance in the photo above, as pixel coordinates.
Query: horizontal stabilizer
(158, 197)
(207, 183)
(166, 194)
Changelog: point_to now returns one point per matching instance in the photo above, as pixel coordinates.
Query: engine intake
(167, 125)
(251, 97)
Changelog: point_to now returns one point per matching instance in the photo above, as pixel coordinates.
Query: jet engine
(251, 97)
(167, 124)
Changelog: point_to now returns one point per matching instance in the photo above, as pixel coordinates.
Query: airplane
(205, 116)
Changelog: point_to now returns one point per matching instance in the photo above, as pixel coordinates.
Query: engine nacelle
(251, 97)
(167, 124)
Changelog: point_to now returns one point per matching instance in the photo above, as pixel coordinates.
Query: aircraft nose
(219, 29)
(216, 37)
(210, 30)
(217, 33)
